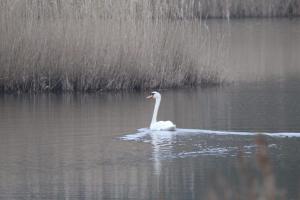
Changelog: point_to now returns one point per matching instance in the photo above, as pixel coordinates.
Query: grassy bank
(97, 45)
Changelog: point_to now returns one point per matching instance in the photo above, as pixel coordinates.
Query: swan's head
(154, 95)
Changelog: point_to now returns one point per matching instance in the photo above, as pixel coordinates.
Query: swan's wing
(170, 123)
(163, 125)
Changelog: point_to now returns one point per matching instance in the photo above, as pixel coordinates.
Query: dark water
(71, 146)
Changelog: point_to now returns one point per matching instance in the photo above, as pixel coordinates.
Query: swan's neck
(156, 107)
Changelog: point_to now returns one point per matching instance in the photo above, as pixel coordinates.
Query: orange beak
(149, 97)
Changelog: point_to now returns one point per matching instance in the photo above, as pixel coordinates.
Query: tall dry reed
(93, 45)
(96, 45)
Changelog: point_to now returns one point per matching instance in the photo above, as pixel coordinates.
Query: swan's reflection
(162, 146)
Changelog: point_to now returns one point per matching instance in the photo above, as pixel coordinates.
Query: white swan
(159, 125)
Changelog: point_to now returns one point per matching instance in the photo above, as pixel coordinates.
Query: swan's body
(159, 125)
(163, 126)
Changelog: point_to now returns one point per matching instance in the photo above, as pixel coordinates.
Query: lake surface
(86, 146)
(259, 50)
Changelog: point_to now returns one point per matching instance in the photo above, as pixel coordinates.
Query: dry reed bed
(154, 8)
(76, 49)
(93, 45)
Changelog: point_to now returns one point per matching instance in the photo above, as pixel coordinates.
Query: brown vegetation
(258, 185)
(101, 45)
(92, 45)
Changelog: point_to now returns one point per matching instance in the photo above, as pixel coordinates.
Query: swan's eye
(152, 93)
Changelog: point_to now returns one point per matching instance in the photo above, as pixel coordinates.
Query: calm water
(87, 147)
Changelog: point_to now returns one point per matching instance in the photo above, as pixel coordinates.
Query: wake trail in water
(145, 132)
(183, 143)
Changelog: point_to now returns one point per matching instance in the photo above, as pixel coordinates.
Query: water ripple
(144, 132)
(184, 143)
